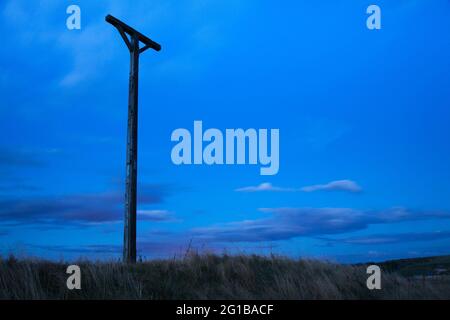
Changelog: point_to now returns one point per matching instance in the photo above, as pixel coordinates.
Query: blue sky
(363, 119)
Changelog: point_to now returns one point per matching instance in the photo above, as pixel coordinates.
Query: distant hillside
(222, 277)
(429, 266)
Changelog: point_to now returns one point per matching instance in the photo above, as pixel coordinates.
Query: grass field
(222, 277)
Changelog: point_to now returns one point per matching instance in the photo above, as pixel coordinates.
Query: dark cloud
(288, 223)
(394, 238)
(87, 208)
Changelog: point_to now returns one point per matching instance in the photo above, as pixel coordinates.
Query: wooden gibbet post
(132, 39)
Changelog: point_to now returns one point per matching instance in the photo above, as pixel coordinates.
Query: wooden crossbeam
(149, 43)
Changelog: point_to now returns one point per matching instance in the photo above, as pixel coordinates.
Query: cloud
(289, 223)
(84, 208)
(154, 215)
(339, 185)
(263, 187)
(394, 238)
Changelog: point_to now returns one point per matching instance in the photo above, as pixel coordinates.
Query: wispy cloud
(268, 187)
(155, 215)
(288, 223)
(339, 185)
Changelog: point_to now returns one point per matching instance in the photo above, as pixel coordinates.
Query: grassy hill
(429, 266)
(223, 277)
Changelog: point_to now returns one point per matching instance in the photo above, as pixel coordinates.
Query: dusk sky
(363, 117)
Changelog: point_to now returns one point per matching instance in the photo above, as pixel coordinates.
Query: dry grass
(210, 277)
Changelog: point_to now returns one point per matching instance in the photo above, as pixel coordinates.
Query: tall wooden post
(129, 244)
(133, 44)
